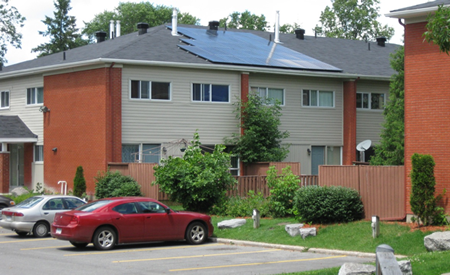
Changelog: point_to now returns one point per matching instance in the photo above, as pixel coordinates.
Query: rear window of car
(92, 206)
(29, 202)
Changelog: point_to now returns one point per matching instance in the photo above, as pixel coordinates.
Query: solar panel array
(242, 48)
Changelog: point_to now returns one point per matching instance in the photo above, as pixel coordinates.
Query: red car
(112, 221)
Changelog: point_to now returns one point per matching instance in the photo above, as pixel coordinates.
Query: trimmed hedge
(332, 204)
(115, 185)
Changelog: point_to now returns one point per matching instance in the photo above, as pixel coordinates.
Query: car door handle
(46, 213)
(149, 217)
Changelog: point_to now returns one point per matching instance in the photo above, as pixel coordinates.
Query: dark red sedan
(112, 221)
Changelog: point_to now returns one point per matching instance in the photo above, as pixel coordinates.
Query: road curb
(298, 248)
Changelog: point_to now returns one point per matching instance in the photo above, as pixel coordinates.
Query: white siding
(30, 115)
(369, 122)
(165, 121)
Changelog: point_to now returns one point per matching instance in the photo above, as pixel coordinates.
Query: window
(126, 208)
(35, 96)
(150, 90)
(320, 155)
(316, 98)
(151, 207)
(271, 94)
(130, 152)
(38, 153)
(210, 93)
(149, 153)
(4, 99)
(234, 169)
(370, 101)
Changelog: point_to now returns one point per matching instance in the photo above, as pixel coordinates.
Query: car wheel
(40, 230)
(79, 245)
(3, 206)
(104, 238)
(21, 233)
(196, 233)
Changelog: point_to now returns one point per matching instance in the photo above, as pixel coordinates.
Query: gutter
(413, 13)
(102, 61)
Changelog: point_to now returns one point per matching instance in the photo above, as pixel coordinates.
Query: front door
(317, 158)
(16, 165)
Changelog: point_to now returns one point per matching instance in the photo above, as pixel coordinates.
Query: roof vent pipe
(117, 28)
(142, 27)
(300, 34)
(213, 27)
(381, 41)
(277, 28)
(111, 29)
(174, 22)
(101, 36)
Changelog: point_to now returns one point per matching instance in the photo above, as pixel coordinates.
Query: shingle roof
(425, 5)
(12, 127)
(352, 56)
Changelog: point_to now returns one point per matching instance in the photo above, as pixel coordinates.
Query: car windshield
(92, 206)
(29, 202)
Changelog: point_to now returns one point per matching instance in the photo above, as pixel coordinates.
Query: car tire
(3, 206)
(79, 245)
(105, 238)
(40, 230)
(21, 233)
(196, 233)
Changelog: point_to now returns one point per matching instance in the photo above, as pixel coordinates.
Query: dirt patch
(415, 226)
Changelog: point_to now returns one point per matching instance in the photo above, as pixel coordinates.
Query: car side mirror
(167, 210)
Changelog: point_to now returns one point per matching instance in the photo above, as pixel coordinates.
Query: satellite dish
(364, 145)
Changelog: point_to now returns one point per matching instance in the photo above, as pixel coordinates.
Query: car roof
(129, 199)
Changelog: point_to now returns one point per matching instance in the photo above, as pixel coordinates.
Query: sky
(303, 12)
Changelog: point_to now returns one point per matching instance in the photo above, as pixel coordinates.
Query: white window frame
(369, 105)
(210, 93)
(140, 156)
(149, 90)
(265, 90)
(3, 104)
(318, 98)
(34, 96)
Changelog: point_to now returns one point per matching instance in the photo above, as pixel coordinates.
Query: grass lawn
(356, 236)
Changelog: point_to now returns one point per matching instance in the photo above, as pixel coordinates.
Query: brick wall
(349, 150)
(427, 107)
(4, 172)
(83, 125)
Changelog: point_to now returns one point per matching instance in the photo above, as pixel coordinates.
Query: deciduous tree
(353, 19)
(245, 20)
(10, 21)
(438, 29)
(61, 29)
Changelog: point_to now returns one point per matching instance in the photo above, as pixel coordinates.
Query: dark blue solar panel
(246, 49)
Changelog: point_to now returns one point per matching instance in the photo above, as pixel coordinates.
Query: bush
(332, 204)
(115, 185)
(242, 206)
(198, 181)
(79, 183)
(282, 189)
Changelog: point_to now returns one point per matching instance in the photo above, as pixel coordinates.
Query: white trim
(210, 93)
(150, 91)
(413, 13)
(318, 90)
(18, 140)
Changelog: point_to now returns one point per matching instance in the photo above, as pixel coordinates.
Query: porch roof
(14, 130)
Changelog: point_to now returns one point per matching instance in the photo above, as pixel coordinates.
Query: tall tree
(391, 148)
(61, 29)
(353, 19)
(289, 28)
(10, 19)
(438, 29)
(130, 14)
(245, 20)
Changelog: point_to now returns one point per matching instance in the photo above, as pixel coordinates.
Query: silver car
(36, 214)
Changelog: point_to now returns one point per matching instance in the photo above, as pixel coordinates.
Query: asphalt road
(30, 255)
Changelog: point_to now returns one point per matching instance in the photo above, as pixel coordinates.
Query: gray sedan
(36, 214)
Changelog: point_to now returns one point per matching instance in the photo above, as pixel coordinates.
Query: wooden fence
(382, 188)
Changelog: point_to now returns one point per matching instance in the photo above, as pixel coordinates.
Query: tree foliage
(438, 29)
(422, 200)
(245, 20)
(353, 19)
(110, 185)
(261, 141)
(197, 180)
(61, 29)
(391, 148)
(79, 183)
(289, 28)
(130, 14)
(10, 21)
(282, 189)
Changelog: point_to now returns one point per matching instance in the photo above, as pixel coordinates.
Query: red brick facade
(84, 125)
(427, 107)
(4, 172)
(349, 150)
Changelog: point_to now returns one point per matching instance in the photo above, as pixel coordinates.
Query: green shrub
(21, 198)
(242, 206)
(79, 183)
(282, 189)
(115, 185)
(332, 204)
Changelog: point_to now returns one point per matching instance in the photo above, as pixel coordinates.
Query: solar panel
(242, 48)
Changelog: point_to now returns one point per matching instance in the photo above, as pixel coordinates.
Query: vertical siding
(164, 121)
(369, 122)
(346, 176)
